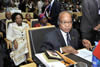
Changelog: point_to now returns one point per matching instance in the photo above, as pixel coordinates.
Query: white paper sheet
(49, 64)
(85, 54)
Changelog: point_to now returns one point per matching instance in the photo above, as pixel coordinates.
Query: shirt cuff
(61, 50)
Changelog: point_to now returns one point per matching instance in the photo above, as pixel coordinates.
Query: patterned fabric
(68, 39)
(39, 25)
(41, 16)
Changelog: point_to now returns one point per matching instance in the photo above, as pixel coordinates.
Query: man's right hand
(87, 44)
(69, 49)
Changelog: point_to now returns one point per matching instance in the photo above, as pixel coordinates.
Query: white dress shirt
(65, 36)
(65, 39)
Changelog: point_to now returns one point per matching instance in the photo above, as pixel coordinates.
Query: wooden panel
(2, 16)
(77, 13)
(24, 13)
(29, 65)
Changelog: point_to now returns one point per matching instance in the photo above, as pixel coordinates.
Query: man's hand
(97, 27)
(9, 43)
(69, 49)
(1, 34)
(49, 18)
(15, 44)
(87, 44)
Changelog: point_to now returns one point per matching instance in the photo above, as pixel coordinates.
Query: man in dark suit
(53, 11)
(90, 23)
(5, 58)
(59, 40)
(1, 49)
(3, 22)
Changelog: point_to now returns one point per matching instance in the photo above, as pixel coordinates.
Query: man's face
(18, 19)
(8, 15)
(65, 23)
(28, 17)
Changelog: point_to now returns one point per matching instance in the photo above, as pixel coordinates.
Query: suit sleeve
(50, 43)
(57, 9)
(46, 45)
(3, 29)
(86, 20)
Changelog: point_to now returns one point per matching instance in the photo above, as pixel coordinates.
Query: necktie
(68, 39)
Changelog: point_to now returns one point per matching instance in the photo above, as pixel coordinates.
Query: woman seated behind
(42, 21)
(28, 18)
(16, 33)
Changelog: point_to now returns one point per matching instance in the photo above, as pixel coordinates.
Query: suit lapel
(72, 38)
(60, 38)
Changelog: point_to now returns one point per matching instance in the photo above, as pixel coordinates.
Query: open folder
(57, 55)
(52, 55)
(51, 62)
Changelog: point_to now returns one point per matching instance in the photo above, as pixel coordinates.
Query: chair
(35, 39)
(24, 13)
(29, 65)
(2, 15)
(34, 21)
(81, 64)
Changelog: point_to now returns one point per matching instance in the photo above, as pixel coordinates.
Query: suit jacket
(90, 18)
(55, 10)
(3, 27)
(54, 40)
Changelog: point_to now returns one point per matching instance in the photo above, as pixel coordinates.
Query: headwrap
(41, 16)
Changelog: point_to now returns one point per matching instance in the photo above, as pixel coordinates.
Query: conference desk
(79, 59)
(73, 57)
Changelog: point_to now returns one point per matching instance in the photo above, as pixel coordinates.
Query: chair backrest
(81, 64)
(35, 37)
(31, 13)
(2, 15)
(34, 21)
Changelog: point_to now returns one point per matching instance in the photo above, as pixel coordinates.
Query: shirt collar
(64, 33)
(51, 3)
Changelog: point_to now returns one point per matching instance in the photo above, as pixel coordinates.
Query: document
(18, 55)
(85, 54)
(49, 62)
(52, 55)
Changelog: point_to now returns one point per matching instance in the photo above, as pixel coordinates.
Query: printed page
(85, 54)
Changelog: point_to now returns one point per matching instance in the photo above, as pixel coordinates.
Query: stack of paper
(49, 62)
(85, 54)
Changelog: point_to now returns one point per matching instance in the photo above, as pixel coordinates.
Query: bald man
(64, 39)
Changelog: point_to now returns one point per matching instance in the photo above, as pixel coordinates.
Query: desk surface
(78, 59)
(73, 57)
